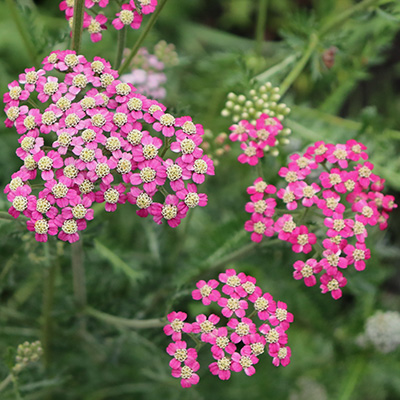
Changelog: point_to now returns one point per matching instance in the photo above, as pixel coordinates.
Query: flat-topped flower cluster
(95, 22)
(88, 137)
(255, 139)
(252, 323)
(339, 203)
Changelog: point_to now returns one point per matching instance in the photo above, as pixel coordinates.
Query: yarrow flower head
(237, 345)
(129, 14)
(347, 198)
(100, 150)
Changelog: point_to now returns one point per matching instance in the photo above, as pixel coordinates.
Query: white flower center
(135, 104)
(169, 211)
(111, 196)
(120, 119)
(20, 203)
(143, 200)
(113, 144)
(41, 226)
(134, 137)
(126, 17)
(192, 199)
(148, 174)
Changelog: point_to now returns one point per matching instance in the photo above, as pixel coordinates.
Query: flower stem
(79, 280)
(142, 36)
(280, 67)
(5, 382)
(121, 46)
(125, 322)
(298, 68)
(23, 31)
(77, 25)
(261, 23)
(352, 379)
(48, 298)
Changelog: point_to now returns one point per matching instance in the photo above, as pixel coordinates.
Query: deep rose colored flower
(330, 203)
(357, 255)
(264, 303)
(302, 240)
(232, 306)
(281, 356)
(260, 226)
(128, 16)
(242, 329)
(176, 325)
(206, 291)
(288, 196)
(191, 198)
(42, 227)
(148, 6)
(180, 353)
(221, 368)
(111, 195)
(355, 150)
(201, 167)
(276, 337)
(172, 211)
(221, 343)
(306, 271)
(205, 326)
(240, 131)
(141, 199)
(284, 226)
(20, 200)
(245, 360)
(251, 153)
(233, 282)
(259, 188)
(333, 283)
(339, 226)
(281, 316)
(187, 373)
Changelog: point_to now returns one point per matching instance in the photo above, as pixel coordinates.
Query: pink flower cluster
(255, 139)
(92, 138)
(237, 345)
(343, 202)
(130, 14)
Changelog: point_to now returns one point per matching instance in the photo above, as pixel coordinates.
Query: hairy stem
(79, 280)
(5, 382)
(261, 24)
(142, 36)
(77, 25)
(125, 322)
(298, 68)
(121, 46)
(23, 30)
(48, 299)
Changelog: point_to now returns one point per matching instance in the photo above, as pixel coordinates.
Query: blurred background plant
(338, 67)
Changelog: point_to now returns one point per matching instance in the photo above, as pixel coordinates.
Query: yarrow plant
(130, 13)
(92, 138)
(250, 323)
(338, 204)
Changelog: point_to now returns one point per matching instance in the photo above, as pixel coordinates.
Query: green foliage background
(138, 270)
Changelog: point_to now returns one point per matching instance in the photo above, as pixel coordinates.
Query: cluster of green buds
(166, 53)
(263, 99)
(27, 353)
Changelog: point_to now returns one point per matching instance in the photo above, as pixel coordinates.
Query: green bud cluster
(27, 353)
(261, 100)
(166, 53)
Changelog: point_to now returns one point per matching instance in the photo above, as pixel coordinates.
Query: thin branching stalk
(77, 25)
(261, 25)
(125, 322)
(120, 47)
(352, 378)
(23, 30)
(142, 36)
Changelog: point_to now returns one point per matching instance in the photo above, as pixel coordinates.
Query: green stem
(298, 68)
(125, 322)
(142, 36)
(261, 23)
(352, 379)
(280, 67)
(345, 15)
(15, 387)
(48, 299)
(121, 46)
(5, 382)
(23, 30)
(79, 281)
(77, 25)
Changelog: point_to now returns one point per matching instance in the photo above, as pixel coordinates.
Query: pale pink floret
(54, 162)
(177, 325)
(179, 351)
(193, 379)
(240, 131)
(38, 143)
(30, 87)
(368, 213)
(206, 291)
(245, 357)
(306, 271)
(338, 154)
(14, 94)
(61, 89)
